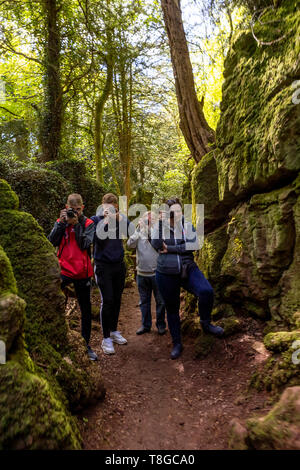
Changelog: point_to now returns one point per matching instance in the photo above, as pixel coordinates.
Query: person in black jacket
(109, 267)
(175, 242)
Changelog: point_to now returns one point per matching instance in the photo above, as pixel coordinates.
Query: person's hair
(173, 200)
(109, 198)
(75, 199)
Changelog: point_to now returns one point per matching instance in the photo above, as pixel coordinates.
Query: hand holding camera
(72, 216)
(69, 215)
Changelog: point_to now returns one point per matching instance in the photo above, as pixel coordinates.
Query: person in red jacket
(73, 234)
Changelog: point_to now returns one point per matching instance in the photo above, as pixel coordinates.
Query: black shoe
(142, 330)
(161, 330)
(176, 351)
(213, 329)
(92, 355)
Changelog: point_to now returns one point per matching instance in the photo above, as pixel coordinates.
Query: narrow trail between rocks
(155, 403)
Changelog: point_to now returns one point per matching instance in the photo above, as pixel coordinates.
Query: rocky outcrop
(249, 186)
(279, 429)
(55, 375)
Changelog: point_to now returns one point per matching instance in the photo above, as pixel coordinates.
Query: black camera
(71, 213)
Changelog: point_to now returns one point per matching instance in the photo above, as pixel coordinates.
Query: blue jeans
(147, 285)
(196, 283)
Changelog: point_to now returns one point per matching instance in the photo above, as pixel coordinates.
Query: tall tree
(50, 137)
(197, 133)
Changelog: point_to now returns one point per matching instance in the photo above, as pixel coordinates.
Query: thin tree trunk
(50, 132)
(98, 119)
(198, 135)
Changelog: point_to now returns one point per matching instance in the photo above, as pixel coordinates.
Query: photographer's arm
(191, 243)
(84, 237)
(133, 239)
(57, 233)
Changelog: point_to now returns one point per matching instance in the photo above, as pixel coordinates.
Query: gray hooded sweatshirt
(146, 255)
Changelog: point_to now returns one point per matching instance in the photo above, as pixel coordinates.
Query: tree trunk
(198, 135)
(98, 120)
(50, 133)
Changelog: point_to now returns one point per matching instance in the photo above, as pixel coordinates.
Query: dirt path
(153, 402)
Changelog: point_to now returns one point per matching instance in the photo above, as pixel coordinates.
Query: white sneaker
(107, 346)
(117, 337)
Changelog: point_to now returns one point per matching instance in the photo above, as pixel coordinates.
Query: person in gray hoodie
(146, 266)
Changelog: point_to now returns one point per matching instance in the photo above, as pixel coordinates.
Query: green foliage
(43, 189)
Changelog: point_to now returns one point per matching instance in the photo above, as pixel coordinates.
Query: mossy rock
(12, 317)
(31, 417)
(7, 279)
(222, 310)
(205, 191)
(281, 340)
(231, 325)
(37, 273)
(257, 145)
(279, 429)
(203, 345)
(8, 199)
(278, 372)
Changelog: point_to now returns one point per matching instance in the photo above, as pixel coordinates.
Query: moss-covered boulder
(205, 190)
(281, 340)
(258, 132)
(8, 199)
(31, 416)
(278, 430)
(59, 360)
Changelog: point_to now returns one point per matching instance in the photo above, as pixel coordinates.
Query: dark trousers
(147, 285)
(110, 278)
(196, 283)
(83, 294)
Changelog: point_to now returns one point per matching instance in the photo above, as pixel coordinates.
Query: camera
(71, 213)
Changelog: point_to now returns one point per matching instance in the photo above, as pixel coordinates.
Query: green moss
(30, 415)
(258, 120)
(279, 428)
(231, 325)
(281, 340)
(43, 188)
(8, 199)
(37, 273)
(203, 345)
(7, 280)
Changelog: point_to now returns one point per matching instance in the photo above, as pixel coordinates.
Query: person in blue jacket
(176, 268)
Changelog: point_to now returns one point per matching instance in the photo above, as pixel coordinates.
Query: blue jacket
(110, 249)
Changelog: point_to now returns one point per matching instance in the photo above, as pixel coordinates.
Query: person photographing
(110, 269)
(176, 268)
(73, 234)
(146, 261)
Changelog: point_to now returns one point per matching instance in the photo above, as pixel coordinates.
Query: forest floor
(155, 403)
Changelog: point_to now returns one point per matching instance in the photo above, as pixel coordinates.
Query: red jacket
(73, 243)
